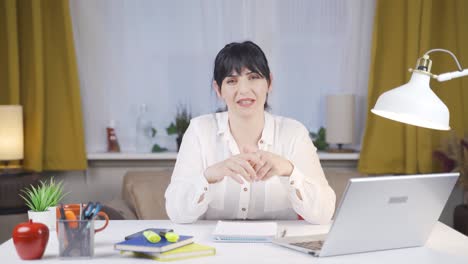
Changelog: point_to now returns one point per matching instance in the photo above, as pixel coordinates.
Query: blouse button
(206, 189)
(261, 141)
(292, 182)
(243, 209)
(245, 189)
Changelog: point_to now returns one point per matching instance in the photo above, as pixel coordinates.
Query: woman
(246, 163)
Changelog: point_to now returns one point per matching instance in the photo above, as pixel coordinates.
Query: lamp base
(6, 168)
(342, 150)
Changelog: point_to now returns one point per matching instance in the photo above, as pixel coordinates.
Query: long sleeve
(318, 198)
(188, 183)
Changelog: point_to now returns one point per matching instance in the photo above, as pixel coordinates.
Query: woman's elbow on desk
(319, 216)
(318, 219)
(178, 217)
(319, 212)
(183, 220)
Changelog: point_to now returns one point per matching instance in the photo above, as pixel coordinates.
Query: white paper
(246, 229)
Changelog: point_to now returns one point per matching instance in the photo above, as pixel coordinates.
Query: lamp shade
(414, 103)
(11, 132)
(340, 118)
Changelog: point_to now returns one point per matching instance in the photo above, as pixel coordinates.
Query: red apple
(30, 239)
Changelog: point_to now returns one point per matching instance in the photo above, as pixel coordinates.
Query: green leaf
(157, 148)
(153, 132)
(181, 122)
(27, 202)
(319, 139)
(171, 129)
(46, 194)
(321, 133)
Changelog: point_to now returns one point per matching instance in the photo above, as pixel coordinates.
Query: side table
(12, 207)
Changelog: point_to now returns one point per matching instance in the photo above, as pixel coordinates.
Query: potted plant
(180, 125)
(42, 201)
(453, 157)
(319, 139)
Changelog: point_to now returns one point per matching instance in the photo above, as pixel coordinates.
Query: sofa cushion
(144, 191)
(118, 209)
(338, 179)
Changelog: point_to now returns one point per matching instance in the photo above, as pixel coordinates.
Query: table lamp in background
(340, 121)
(12, 177)
(11, 135)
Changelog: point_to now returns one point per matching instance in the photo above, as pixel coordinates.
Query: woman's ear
(217, 89)
(270, 86)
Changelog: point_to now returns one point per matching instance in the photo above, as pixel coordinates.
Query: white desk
(444, 246)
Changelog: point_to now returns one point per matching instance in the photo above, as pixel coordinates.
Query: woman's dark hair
(235, 56)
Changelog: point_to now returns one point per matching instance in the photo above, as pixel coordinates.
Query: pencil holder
(76, 238)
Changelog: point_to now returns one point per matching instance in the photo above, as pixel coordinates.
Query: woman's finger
(229, 173)
(259, 161)
(251, 157)
(259, 165)
(269, 174)
(236, 177)
(238, 169)
(248, 167)
(263, 171)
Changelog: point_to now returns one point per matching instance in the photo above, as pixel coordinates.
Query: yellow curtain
(403, 32)
(38, 70)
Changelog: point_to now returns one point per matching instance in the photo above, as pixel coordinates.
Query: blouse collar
(267, 133)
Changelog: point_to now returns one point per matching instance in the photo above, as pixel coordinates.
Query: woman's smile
(246, 102)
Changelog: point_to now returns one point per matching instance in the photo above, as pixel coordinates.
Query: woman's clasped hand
(251, 165)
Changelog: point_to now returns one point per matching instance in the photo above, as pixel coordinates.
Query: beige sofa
(142, 196)
(143, 193)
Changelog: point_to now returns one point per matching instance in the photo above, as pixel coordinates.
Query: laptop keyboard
(313, 245)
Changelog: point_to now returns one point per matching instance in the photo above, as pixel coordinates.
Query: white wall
(161, 53)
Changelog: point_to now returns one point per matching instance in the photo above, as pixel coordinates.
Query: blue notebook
(140, 244)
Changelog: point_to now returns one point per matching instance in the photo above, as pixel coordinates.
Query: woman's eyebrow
(235, 74)
(251, 72)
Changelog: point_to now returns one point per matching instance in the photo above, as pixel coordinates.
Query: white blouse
(208, 140)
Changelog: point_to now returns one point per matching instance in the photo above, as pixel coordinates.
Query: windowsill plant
(319, 139)
(180, 125)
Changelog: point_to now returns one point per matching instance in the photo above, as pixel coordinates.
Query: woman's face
(245, 93)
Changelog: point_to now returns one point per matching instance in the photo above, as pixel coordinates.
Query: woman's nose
(244, 85)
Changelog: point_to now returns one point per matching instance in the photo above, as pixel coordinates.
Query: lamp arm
(460, 68)
(451, 75)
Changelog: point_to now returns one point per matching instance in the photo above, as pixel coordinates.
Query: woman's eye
(255, 77)
(231, 81)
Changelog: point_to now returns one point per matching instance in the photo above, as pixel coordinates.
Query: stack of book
(164, 250)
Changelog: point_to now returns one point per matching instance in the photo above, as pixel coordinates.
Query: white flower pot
(48, 217)
(53, 212)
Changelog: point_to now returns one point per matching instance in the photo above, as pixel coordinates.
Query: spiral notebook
(245, 232)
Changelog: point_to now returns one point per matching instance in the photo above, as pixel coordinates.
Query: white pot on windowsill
(48, 217)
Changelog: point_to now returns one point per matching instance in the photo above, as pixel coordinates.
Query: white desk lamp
(415, 103)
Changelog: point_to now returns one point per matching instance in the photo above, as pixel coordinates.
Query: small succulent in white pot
(42, 201)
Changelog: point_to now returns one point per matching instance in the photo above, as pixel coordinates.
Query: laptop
(380, 213)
